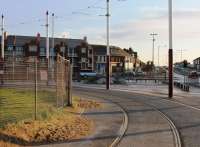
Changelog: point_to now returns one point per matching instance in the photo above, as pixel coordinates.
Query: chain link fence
(33, 89)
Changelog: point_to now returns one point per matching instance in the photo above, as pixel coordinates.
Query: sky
(131, 23)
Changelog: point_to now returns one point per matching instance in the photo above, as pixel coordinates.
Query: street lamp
(159, 53)
(170, 92)
(153, 49)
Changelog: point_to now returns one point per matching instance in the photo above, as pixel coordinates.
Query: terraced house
(196, 63)
(83, 56)
(21, 49)
(121, 61)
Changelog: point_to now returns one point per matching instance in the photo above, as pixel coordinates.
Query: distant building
(76, 50)
(196, 63)
(83, 56)
(121, 61)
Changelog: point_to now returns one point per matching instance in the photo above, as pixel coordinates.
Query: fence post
(13, 70)
(2, 71)
(69, 84)
(27, 72)
(57, 80)
(35, 88)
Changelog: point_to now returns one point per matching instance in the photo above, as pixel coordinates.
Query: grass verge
(53, 125)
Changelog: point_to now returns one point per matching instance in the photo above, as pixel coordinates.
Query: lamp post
(170, 92)
(159, 47)
(108, 50)
(153, 48)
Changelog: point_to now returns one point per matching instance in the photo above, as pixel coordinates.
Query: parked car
(193, 75)
(140, 73)
(88, 74)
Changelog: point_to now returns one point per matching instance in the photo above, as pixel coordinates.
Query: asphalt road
(146, 126)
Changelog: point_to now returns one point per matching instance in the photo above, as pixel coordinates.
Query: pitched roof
(21, 40)
(115, 51)
(99, 49)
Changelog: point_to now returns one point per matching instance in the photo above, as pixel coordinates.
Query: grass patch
(17, 126)
(18, 104)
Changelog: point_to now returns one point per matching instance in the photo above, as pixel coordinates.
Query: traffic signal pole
(170, 68)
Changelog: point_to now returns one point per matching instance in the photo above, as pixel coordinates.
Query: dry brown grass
(5, 144)
(88, 104)
(60, 128)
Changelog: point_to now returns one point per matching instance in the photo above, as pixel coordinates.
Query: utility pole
(170, 68)
(47, 46)
(14, 54)
(2, 37)
(153, 49)
(158, 55)
(108, 49)
(53, 31)
(47, 36)
(52, 48)
(159, 47)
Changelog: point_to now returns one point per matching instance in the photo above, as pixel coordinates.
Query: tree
(185, 63)
(130, 51)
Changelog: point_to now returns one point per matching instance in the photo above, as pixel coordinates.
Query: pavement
(155, 89)
(107, 123)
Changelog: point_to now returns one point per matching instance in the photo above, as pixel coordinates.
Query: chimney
(85, 39)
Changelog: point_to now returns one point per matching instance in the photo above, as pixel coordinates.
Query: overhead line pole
(2, 37)
(108, 49)
(47, 46)
(53, 31)
(170, 92)
(47, 36)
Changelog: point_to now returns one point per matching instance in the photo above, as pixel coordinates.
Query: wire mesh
(32, 90)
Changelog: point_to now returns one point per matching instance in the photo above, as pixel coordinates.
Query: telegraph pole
(47, 46)
(2, 37)
(108, 49)
(158, 55)
(53, 31)
(153, 49)
(47, 36)
(170, 94)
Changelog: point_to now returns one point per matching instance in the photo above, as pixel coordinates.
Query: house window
(100, 59)
(90, 51)
(83, 50)
(42, 52)
(10, 48)
(90, 61)
(83, 59)
(62, 49)
(19, 51)
(33, 48)
(83, 66)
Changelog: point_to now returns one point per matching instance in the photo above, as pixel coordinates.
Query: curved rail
(124, 125)
(175, 131)
(176, 135)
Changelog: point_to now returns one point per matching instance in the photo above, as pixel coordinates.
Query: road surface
(146, 126)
